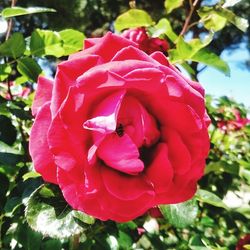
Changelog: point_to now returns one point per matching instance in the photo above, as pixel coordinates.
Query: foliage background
(36, 43)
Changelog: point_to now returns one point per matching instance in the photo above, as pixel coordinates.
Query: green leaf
(132, 19)
(130, 225)
(194, 50)
(5, 71)
(19, 11)
(48, 213)
(124, 240)
(245, 173)
(9, 158)
(209, 58)
(195, 243)
(46, 43)
(188, 68)
(29, 175)
(210, 198)
(4, 148)
(21, 79)
(8, 132)
(207, 221)
(11, 205)
(3, 190)
(182, 214)
(239, 22)
(29, 68)
(170, 5)
(72, 40)
(164, 27)
(189, 49)
(222, 166)
(211, 19)
(83, 217)
(244, 211)
(14, 46)
(52, 244)
(216, 17)
(27, 238)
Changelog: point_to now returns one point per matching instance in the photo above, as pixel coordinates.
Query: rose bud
(119, 131)
(137, 35)
(147, 44)
(155, 44)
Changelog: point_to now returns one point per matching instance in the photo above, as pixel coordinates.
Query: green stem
(74, 242)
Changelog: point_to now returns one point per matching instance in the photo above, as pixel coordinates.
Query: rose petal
(121, 154)
(123, 210)
(64, 155)
(178, 152)
(43, 94)
(124, 187)
(182, 189)
(67, 73)
(132, 113)
(129, 53)
(78, 197)
(65, 128)
(104, 121)
(95, 77)
(106, 48)
(187, 121)
(160, 171)
(160, 58)
(105, 114)
(38, 146)
(90, 42)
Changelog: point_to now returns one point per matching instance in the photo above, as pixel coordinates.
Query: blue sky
(237, 85)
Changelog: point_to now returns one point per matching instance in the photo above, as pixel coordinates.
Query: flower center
(120, 130)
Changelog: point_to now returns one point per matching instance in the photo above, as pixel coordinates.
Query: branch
(9, 28)
(192, 8)
(10, 22)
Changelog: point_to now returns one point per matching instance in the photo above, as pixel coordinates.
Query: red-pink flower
(235, 124)
(16, 91)
(155, 212)
(119, 131)
(245, 240)
(147, 44)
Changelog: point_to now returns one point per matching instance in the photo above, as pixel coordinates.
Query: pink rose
(147, 44)
(119, 131)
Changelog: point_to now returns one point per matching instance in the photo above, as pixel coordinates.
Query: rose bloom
(147, 44)
(233, 125)
(119, 131)
(245, 240)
